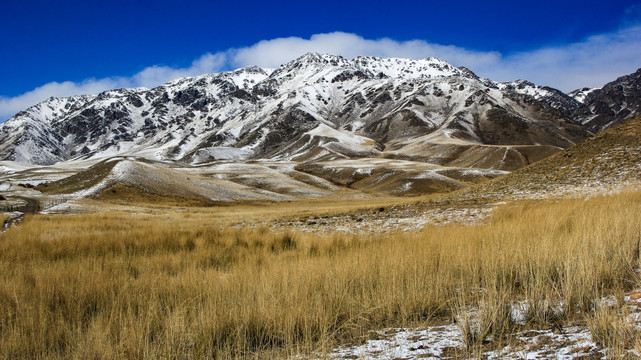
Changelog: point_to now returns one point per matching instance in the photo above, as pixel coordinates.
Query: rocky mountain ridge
(611, 104)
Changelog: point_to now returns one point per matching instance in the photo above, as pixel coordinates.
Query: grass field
(171, 284)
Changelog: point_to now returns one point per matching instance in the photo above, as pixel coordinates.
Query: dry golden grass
(126, 195)
(116, 285)
(225, 213)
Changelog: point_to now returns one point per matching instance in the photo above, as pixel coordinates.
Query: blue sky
(61, 48)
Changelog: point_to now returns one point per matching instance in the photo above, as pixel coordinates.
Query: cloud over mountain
(590, 62)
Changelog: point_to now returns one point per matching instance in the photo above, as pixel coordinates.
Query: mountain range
(321, 107)
(406, 126)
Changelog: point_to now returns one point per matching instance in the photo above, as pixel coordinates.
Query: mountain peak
(317, 58)
(251, 69)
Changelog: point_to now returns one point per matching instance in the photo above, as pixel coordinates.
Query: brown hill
(609, 161)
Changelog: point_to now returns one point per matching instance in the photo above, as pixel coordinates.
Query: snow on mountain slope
(317, 107)
(406, 68)
(553, 97)
(581, 94)
(28, 136)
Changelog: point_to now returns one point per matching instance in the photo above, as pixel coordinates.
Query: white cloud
(271, 53)
(12, 105)
(591, 62)
(158, 75)
(149, 77)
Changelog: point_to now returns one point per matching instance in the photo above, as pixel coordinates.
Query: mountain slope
(315, 108)
(222, 182)
(29, 137)
(611, 160)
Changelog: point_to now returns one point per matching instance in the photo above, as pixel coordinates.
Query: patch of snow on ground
(572, 343)
(445, 341)
(429, 343)
(34, 182)
(484, 172)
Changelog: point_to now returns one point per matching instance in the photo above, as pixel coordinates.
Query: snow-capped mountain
(317, 107)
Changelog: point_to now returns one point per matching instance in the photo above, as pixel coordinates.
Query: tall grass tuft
(612, 330)
(489, 320)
